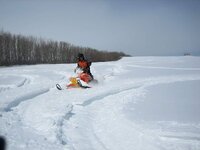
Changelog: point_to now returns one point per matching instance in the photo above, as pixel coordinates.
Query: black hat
(81, 56)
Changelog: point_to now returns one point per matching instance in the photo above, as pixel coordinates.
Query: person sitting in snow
(84, 65)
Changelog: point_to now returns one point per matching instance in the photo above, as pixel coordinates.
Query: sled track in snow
(143, 83)
(106, 94)
(25, 81)
(99, 141)
(25, 97)
(112, 92)
(165, 68)
(3, 89)
(60, 124)
(192, 138)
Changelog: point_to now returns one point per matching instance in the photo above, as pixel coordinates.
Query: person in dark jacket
(84, 65)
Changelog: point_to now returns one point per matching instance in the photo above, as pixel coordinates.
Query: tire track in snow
(25, 97)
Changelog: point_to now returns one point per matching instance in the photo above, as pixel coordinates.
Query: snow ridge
(25, 97)
(60, 124)
(106, 94)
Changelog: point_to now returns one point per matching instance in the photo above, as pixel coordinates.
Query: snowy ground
(140, 103)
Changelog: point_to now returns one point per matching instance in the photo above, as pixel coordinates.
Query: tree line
(19, 49)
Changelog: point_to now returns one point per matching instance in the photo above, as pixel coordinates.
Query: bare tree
(18, 49)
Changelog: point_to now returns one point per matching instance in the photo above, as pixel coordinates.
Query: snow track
(118, 113)
(25, 97)
(107, 100)
(106, 94)
(60, 124)
(12, 81)
(192, 138)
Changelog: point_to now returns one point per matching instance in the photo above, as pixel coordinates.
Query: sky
(136, 27)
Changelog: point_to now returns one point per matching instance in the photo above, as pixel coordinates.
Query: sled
(81, 81)
(77, 83)
(74, 83)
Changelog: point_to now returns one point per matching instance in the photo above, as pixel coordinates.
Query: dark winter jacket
(85, 66)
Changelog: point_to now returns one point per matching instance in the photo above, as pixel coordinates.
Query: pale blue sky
(137, 27)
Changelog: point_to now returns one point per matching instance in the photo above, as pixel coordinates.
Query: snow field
(137, 105)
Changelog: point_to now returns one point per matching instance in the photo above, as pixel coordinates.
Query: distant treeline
(18, 49)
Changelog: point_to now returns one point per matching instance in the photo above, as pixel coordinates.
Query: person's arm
(76, 67)
(89, 63)
(87, 69)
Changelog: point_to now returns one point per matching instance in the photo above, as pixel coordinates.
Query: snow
(140, 103)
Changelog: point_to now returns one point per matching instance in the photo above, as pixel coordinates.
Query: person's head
(81, 56)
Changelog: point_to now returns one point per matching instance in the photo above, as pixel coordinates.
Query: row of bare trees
(18, 49)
